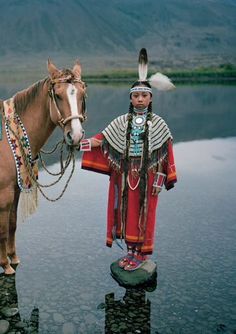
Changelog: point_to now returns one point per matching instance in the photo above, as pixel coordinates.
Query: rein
(63, 121)
(28, 163)
(70, 157)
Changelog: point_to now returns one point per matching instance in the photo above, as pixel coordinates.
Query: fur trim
(161, 82)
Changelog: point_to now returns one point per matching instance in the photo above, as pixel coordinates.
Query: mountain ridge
(109, 34)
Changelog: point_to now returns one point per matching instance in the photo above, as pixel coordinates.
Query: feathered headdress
(157, 80)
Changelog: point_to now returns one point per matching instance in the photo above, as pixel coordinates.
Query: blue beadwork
(26, 144)
(138, 127)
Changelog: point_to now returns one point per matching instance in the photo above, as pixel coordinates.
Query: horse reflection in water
(131, 314)
(9, 308)
(57, 100)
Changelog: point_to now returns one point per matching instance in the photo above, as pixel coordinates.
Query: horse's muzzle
(70, 141)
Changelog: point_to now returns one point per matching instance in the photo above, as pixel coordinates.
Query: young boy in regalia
(136, 150)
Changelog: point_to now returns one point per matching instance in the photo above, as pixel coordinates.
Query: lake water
(63, 284)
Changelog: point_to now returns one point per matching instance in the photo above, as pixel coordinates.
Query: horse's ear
(52, 70)
(77, 69)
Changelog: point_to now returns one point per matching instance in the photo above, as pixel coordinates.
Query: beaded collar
(140, 111)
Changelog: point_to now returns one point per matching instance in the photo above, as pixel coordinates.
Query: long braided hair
(145, 158)
(145, 162)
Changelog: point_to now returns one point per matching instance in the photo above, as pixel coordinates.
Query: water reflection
(192, 112)
(9, 312)
(130, 314)
(62, 245)
(65, 265)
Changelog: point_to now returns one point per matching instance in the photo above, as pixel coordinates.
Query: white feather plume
(142, 70)
(142, 65)
(161, 82)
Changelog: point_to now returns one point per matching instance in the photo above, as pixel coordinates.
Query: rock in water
(9, 311)
(4, 326)
(141, 276)
(68, 328)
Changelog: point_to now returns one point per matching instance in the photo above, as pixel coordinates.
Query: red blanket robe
(135, 233)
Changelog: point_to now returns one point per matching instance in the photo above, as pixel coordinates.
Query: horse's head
(67, 101)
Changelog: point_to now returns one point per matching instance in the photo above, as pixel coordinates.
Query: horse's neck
(36, 116)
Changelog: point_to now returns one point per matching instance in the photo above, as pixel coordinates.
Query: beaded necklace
(138, 128)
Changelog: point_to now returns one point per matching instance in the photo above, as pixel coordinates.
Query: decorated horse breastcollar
(0, 126)
(19, 143)
(1, 111)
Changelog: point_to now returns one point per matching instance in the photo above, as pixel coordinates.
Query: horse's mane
(1, 106)
(27, 96)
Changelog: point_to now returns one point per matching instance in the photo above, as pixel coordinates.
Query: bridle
(63, 121)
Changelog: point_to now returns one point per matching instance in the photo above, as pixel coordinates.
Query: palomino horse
(57, 100)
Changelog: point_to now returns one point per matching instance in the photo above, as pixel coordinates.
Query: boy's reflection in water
(131, 314)
(9, 308)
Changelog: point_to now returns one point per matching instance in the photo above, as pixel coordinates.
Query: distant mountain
(177, 33)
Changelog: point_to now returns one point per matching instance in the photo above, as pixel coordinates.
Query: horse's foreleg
(4, 262)
(11, 244)
(6, 200)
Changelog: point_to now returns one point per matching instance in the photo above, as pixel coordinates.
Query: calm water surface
(63, 284)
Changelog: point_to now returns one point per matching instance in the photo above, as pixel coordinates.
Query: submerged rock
(4, 326)
(58, 318)
(141, 276)
(21, 324)
(68, 328)
(9, 311)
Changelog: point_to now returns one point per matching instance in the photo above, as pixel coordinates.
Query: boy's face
(141, 100)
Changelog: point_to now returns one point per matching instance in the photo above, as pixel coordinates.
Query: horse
(57, 100)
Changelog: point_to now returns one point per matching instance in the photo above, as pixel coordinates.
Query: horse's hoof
(14, 266)
(8, 270)
(15, 259)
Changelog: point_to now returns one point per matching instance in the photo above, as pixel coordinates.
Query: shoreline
(221, 74)
(225, 74)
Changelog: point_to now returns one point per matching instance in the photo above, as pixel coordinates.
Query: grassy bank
(222, 73)
(225, 73)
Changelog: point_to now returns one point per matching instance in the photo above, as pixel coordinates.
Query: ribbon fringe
(28, 204)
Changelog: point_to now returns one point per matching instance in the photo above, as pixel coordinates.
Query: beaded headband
(141, 89)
